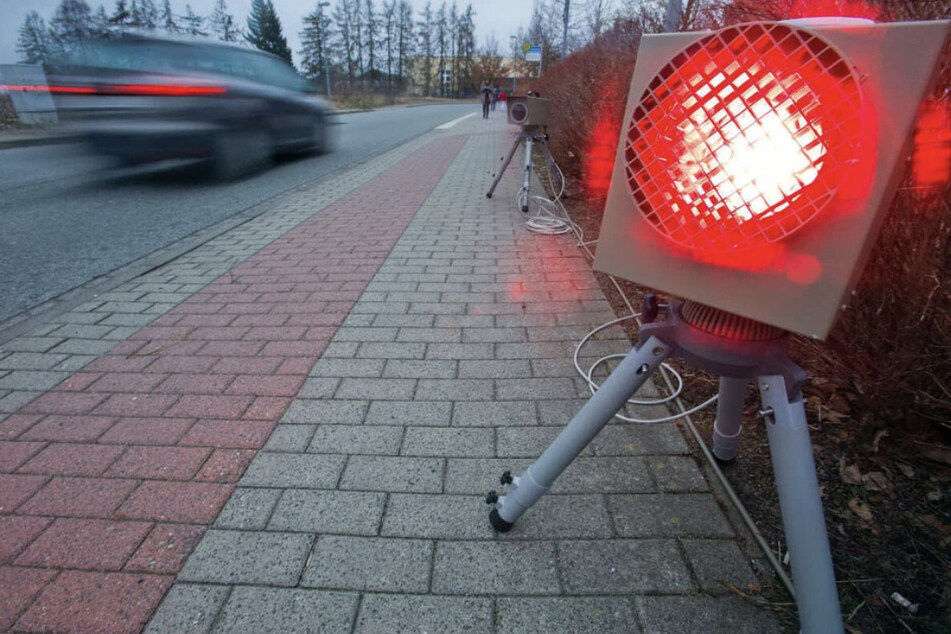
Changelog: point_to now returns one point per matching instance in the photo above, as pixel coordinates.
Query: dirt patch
(884, 482)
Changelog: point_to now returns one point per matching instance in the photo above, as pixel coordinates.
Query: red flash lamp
(756, 162)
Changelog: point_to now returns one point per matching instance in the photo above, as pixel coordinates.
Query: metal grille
(743, 137)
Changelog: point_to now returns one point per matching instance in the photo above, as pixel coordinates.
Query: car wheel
(238, 153)
(320, 143)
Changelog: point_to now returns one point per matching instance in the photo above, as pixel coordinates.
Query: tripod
(739, 351)
(531, 135)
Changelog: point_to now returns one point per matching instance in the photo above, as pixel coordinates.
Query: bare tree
(371, 36)
(389, 37)
(425, 26)
(405, 39)
(442, 34)
(343, 15)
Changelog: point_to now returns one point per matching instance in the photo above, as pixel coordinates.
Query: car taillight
(743, 137)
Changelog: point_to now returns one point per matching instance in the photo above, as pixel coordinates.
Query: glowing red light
(839, 8)
(931, 157)
(743, 138)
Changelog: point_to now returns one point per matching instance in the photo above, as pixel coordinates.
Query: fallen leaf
(907, 470)
(849, 474)
(877, 481)
(938, 454)
(861, 509)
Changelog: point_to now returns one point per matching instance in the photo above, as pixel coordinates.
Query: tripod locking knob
(506, 478)
(651, 308)
(492, 497)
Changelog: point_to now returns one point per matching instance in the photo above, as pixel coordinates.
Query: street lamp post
(323, 54)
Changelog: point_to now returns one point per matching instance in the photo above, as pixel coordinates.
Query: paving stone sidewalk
(292, 428)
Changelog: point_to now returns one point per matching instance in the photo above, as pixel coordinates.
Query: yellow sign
(526, 46)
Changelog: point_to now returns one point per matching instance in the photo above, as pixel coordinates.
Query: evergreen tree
(33, 41)
(442, 36)
(264, 30)
(101, 27)
(222, 23)
(167, 18)
(192, 23)
(121, 17)
(71, 26)
(314, 39)
(389, 37)
(145, 14)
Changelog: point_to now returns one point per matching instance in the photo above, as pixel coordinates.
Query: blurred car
(143, 98)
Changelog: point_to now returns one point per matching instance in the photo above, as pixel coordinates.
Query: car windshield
(175, 57)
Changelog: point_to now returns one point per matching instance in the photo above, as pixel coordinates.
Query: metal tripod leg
(729, 421)
(526, 489)
(505, 163)
(526, 183)
(817, 597)
(552, 167)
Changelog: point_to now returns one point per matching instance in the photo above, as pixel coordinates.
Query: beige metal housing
(528, 111)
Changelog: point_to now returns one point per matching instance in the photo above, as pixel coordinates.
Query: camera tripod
(531, 135)
(739, 350)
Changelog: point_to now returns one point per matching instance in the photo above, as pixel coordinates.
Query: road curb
(32, 141)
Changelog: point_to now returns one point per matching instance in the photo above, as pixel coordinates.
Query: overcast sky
(498, 18)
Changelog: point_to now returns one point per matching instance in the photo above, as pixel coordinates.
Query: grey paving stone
(369, 563)
(437, 517)
(623, 567)
(348, 367)
(13, 401)
(248, 508)
(619, 439)
(494, 414)
(319, 387)
(554, 368)
(491, 369)
(541, 389)
(31, 380)
(493, 568)
(605, 475)
(75, 362)
(559, 411)
(578, 615)
(340, 349)
(436, 308)
(414, 614)
(330, 512)
(377, 389)
(31, 360)
(668, 515)
(84, 346)
(81, 331)
(455, 389)
(319, 411)
(430, 335)
(267, 558)
(715, 561)
(400, 321)
(494, 335)
(562, 517)
(290, 438)
(476, 476)
(428, 413)
(188, 609)
(677, 474)
(541, 350)
(293, 470)
(464, 321)
(386, 473)
(460, 351)
(361, 320)
(362, 439)
(527, 442)
(365, 334)
(448, 441)
(289, 611)
(730, 615)
(413, 369)
(30, 344)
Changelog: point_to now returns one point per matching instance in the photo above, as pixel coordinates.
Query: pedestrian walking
(502, 98)
(495, 97)
(486, 98)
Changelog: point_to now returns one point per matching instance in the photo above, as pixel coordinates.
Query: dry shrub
(893, 344)
(589, 91)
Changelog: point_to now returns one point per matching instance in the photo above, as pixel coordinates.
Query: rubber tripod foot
(488, 195)
(722, 462)
(498, 523)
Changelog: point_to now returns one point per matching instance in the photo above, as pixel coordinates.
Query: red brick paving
(108, 481)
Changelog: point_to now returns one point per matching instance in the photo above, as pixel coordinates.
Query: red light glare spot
(165, 90)
(803, 268)
(599, 160)
(516, 290)
(80, 90)
(931, 157)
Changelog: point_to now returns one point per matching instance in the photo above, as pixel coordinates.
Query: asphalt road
(66, 218)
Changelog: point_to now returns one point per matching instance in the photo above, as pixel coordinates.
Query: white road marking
(448, 125)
